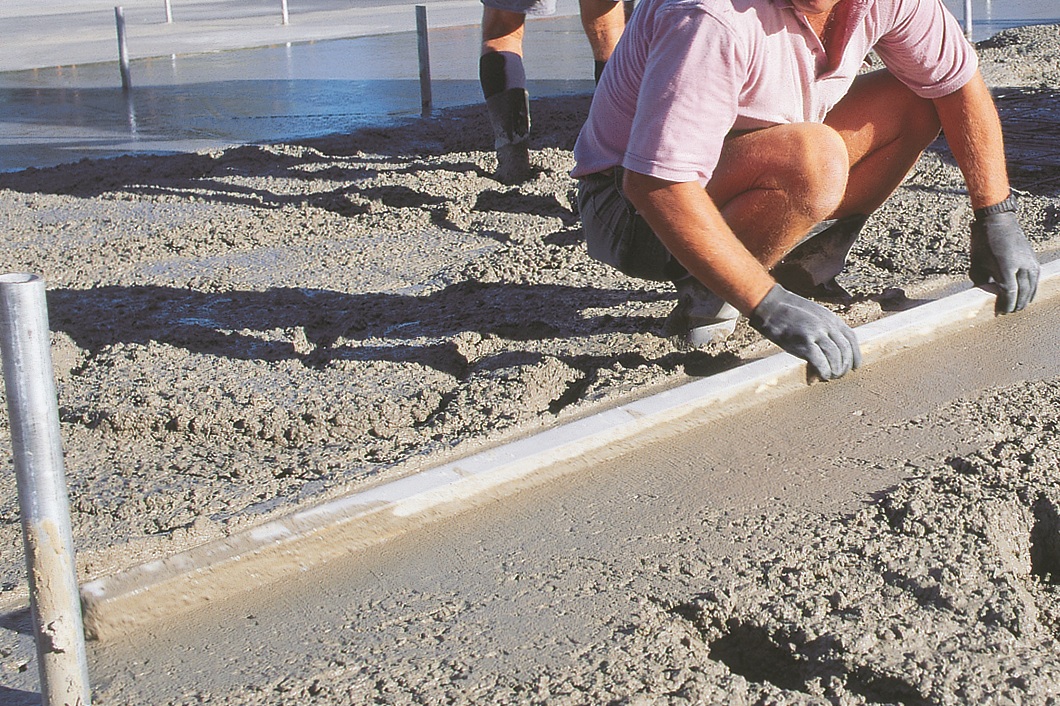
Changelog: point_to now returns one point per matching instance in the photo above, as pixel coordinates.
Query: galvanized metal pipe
(37, 448)
(123, 49)
(968, 18)
(425, 59)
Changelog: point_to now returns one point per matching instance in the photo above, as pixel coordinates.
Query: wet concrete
(542, 582)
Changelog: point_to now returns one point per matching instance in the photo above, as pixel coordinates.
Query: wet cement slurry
(534, 576)
(533, 579)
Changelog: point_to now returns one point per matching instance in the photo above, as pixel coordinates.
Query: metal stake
(284, 17)
(425, 59)
(968, 18)
(123, 49)
(33, 410)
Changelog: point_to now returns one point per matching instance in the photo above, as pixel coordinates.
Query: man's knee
(817, 167)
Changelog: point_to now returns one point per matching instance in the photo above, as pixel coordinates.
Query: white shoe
(703, 315)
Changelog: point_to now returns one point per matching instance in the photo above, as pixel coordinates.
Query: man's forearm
(999, 251)
(690, 226)
(973, 131)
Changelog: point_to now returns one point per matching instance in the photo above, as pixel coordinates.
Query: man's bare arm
(689, 224)
(999, 250)
(973, 131)
(691, 227)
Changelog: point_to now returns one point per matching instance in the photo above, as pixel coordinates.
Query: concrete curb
(116, 604)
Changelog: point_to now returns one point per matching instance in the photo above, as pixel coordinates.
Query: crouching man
(735, 148)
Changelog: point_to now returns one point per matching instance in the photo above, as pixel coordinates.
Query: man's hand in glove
(1001, 253)
(807, 330)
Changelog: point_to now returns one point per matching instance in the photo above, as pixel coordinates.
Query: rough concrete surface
(242, 332)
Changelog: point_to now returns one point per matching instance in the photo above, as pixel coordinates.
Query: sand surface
(242, 332)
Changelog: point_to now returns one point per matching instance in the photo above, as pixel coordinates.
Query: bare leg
(503, 82)
(502, 30)
(772, 185)
(886, 127)
(603, 22)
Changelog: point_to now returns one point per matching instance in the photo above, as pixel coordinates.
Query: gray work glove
(1001, 253)
(807, 330)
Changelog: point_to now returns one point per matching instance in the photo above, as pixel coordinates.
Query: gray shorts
(617, 235)
(532, 8)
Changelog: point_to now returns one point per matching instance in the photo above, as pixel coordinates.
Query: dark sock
(599, 69)
(500, 70)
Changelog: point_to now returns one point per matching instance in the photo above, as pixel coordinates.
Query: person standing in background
(503, 77)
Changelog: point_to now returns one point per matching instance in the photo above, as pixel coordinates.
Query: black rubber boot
(509, 113)
(810, 269)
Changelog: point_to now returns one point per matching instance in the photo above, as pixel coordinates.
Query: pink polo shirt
(687, 72)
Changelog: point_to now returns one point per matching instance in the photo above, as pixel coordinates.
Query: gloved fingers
(818, 360)
(848, 352)
(807, 330)
(855, 347)
(838, 354)
(1008, 290)
(1028, 287)
(1000, 251)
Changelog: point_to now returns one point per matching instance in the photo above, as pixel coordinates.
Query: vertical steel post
(968, 18)
(33, 410)
(123, 49)
(425, 59)
(284, 17)
(169, 13)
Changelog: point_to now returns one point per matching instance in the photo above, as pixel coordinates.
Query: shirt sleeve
(688, 98)
(926, 49)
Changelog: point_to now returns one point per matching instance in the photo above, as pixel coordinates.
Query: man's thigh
(769, 158)
(877, 110)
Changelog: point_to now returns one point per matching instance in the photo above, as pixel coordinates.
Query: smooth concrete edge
(125, 601)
